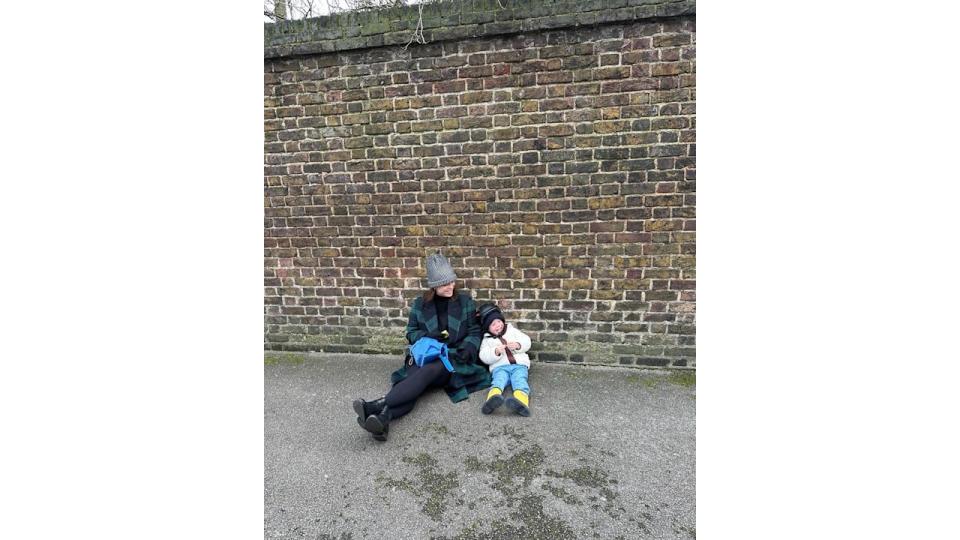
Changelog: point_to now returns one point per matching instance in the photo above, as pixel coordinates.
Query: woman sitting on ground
(449, 316)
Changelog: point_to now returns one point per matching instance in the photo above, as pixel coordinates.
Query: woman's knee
(434, 368)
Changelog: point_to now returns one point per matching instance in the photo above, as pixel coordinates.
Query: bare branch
(418, 32)
(285, 10)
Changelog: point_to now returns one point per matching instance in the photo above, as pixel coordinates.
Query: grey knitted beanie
(439, 271)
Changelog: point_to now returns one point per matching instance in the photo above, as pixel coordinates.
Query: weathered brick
(475, 71)
(555, 130)
(577, 284)
(504, 133)
(611, 126)
(449, 86)
(605, 202)
(671, 40)
(663, 200)
(476, 97)
(556, 104)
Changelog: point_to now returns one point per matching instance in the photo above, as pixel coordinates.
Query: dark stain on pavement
(434, 484)
(525, 464)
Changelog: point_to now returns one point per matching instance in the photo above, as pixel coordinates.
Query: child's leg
(494, 396)
(500, 378)
(520, 400)
(518, 379)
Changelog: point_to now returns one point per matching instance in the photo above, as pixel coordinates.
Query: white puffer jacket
(489, 345)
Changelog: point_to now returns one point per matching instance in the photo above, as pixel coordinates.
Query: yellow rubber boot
(494, 400)
(519, 402)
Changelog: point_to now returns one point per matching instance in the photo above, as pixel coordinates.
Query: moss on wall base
(569, 352)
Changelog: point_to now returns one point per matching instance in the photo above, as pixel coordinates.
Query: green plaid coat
(469, 375)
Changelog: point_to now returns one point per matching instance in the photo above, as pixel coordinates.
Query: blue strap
(445, 358)
(426, 350)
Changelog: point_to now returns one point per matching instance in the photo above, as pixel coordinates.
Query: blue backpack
(427, 350)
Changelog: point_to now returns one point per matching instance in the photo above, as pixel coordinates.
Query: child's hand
(514, 346)
(499, 350)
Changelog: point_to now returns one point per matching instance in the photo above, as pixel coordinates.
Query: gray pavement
(606, 453)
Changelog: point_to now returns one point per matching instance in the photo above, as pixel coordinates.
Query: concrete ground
(606, 453)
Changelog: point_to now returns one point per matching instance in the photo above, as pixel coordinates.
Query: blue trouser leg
(518, 379)
(501, 376)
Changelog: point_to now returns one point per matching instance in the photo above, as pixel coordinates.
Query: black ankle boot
(366, 408)
(379, 424)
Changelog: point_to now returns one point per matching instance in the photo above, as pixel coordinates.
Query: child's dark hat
(487, 313)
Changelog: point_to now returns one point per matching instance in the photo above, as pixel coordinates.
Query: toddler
(504, 348)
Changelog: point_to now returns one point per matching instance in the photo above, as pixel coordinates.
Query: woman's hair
(428, 294)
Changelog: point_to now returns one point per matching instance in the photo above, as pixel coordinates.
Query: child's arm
(488, 353)
(523, 340)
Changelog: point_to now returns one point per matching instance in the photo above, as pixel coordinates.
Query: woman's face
(496, 326)
(446, 290)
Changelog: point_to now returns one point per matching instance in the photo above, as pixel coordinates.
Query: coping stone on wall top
(367, 29)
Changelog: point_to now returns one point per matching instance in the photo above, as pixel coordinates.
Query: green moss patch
(343, 536)
(535, 524)
(472, 532)
(686, 378)
(433, 485)
(561, 493)
(583, 476)
(438, 428)
(277, 358)
(524, 465)
(402, 484)
(517, 436)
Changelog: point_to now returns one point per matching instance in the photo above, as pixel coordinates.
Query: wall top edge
(454, 19)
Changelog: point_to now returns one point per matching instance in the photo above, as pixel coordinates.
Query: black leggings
(403, 396)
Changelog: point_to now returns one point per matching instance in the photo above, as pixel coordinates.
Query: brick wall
(547, 148)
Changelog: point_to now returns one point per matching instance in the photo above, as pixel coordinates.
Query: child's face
(496, 327)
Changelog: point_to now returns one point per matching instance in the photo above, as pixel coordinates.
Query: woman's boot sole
(358, 408)
(373, 425)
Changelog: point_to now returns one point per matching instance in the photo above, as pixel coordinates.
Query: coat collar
(430, 317)
(453, 316)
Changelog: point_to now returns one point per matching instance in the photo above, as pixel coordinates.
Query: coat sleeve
(474, 332)
(414, 331)
(488, 353)
(523, 340)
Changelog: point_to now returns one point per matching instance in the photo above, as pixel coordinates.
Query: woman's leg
(403, 396)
